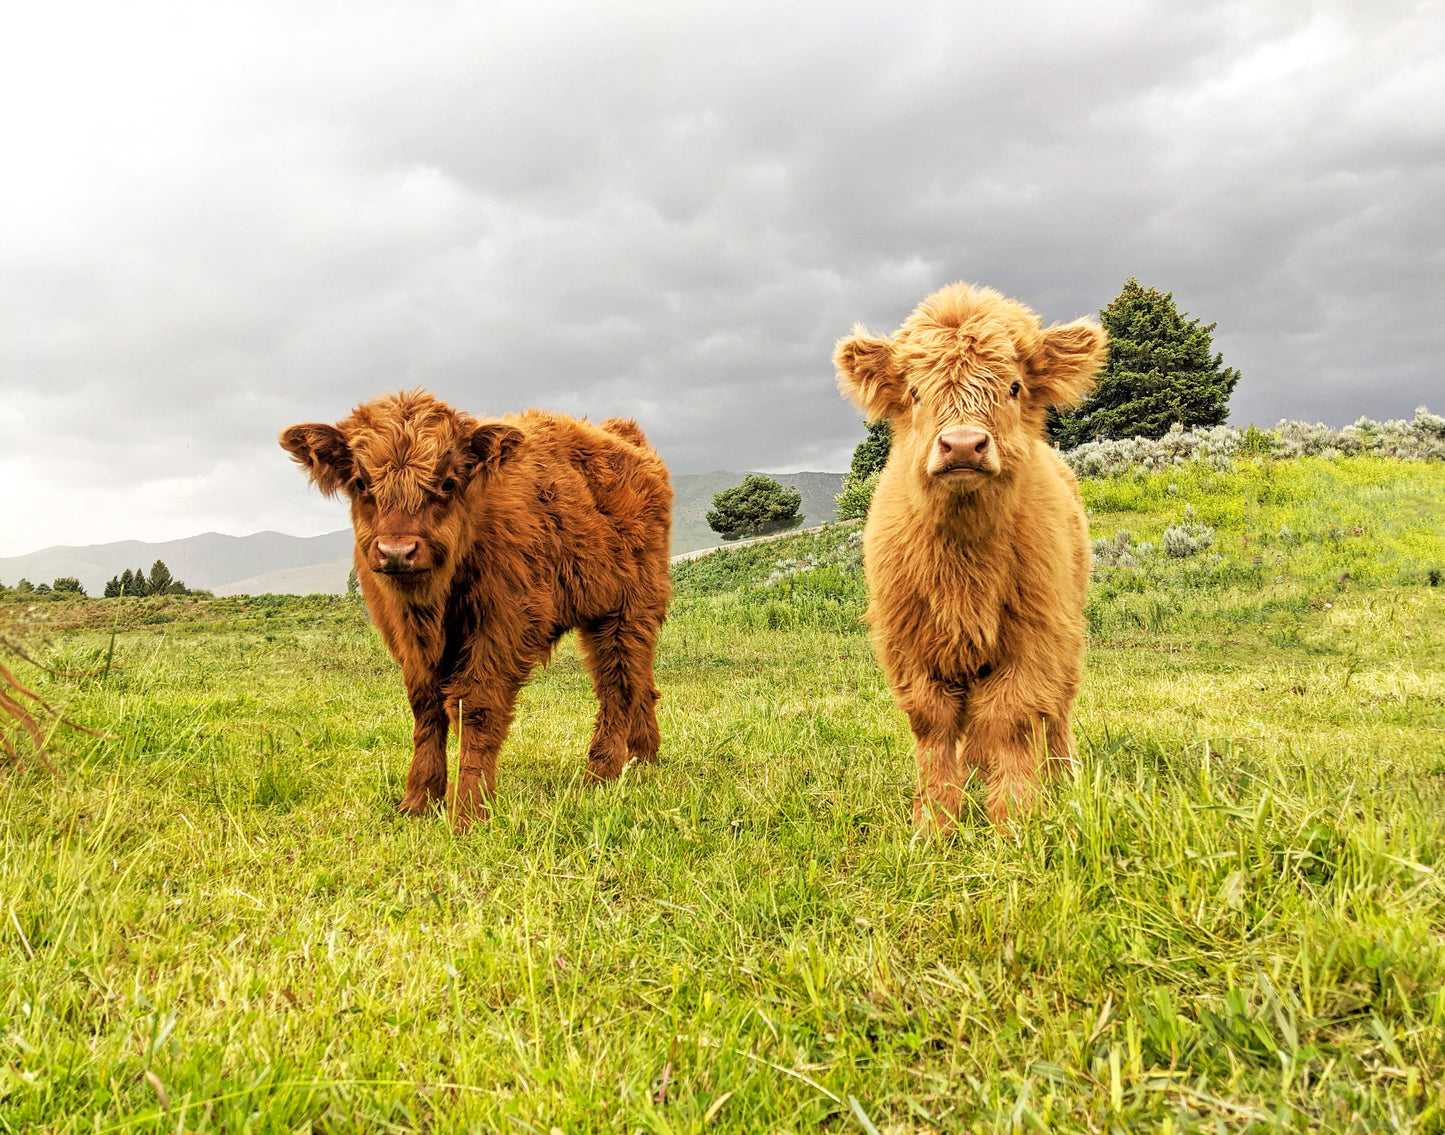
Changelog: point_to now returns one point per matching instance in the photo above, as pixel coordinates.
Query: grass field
(1233, 919)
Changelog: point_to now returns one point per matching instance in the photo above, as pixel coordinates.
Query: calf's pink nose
(963, 449)
(396, 555)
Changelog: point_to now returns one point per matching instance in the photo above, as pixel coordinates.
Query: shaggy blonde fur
(976, 567)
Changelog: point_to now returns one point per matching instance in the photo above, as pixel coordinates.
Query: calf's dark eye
(448, 485)
(1014, 390)
(359, 485)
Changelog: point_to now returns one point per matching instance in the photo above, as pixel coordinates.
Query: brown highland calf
(976, 548)
(478, 545)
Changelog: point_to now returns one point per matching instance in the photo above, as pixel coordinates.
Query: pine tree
(869, 458)
(756, 506)
(1162, 369)
(68, 585)
(872, 452)
(160, 581)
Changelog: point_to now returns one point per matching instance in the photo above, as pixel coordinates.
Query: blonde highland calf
(976, 548)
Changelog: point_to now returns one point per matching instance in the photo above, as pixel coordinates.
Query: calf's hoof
(933, 817)
(418, 804)
(467, 809)
(600, 772)
(1006, 807)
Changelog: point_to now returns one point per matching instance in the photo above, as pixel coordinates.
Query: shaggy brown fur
(976, 547)
(478, 545)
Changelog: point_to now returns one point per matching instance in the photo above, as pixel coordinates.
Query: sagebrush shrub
(1420, 439)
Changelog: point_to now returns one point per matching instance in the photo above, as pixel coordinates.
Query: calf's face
(966, 383)
(409, 465)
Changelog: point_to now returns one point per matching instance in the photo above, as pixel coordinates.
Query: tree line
(137, 583)
(66, 587)
(134, 584)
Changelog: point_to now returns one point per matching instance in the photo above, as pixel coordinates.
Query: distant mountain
(270, 562)
(209, 561)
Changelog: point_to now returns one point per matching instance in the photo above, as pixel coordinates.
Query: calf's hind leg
(619, 655)
(643, 736)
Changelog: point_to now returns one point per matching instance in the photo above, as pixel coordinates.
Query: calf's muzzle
(398, 555)
(964, 450)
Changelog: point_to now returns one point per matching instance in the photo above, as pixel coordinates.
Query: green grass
(1233, 919)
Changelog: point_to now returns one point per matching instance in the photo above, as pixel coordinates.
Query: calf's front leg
(426, 780)
(935, 710)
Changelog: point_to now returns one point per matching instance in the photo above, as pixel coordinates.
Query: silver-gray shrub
(1420, 439)
(847, 555)
(1180, 540)
(1120, 550)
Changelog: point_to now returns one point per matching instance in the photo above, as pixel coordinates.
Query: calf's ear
(868, 373)
(1063, 364)
(322, 451)
(492, 443)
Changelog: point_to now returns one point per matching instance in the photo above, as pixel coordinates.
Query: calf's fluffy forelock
(405, 447)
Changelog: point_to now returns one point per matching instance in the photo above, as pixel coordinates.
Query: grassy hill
(1233, 919)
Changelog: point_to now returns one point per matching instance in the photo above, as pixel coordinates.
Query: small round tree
(1162, 369)
(868, 460)
(757, 506)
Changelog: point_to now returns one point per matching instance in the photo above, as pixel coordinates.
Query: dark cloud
(233, 217)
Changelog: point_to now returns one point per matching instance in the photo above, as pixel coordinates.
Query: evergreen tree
(24, 587)
(68, 586)
(872, 452)
(112, 587)
(868, 460)
(1162, 369)
(756, 506)
(160, 580)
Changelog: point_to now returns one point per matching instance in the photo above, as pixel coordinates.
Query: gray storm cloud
(226, 218)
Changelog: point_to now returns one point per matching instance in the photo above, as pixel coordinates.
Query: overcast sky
(219, 219)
